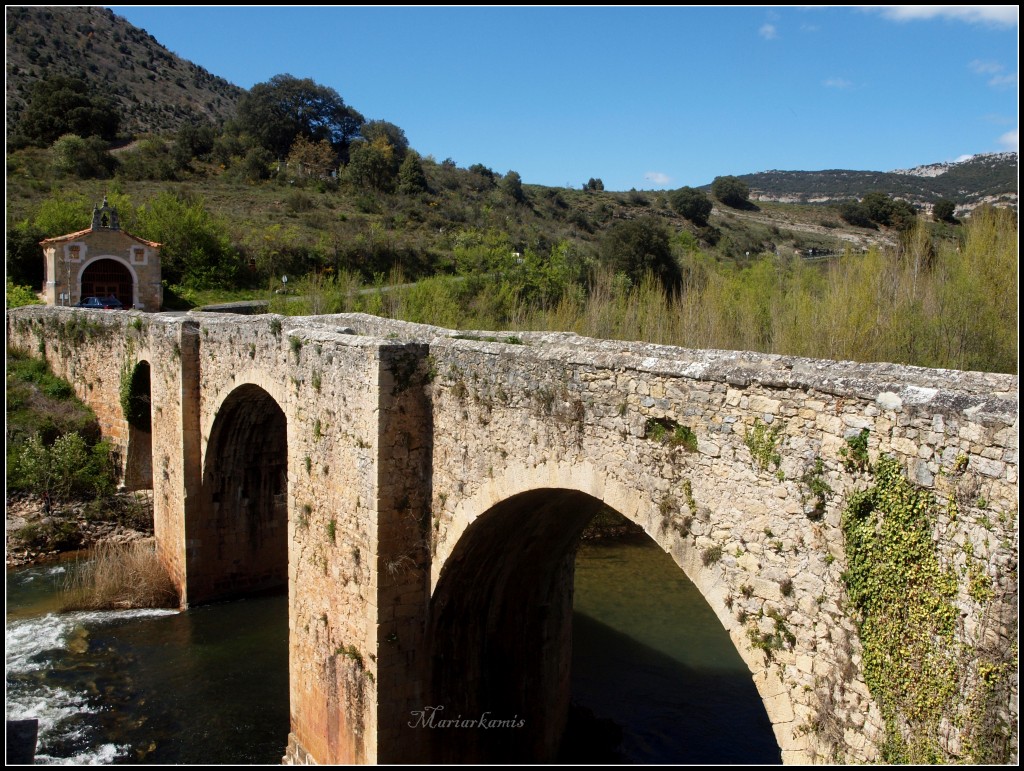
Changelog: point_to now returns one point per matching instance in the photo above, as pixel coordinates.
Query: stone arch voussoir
(636, 505)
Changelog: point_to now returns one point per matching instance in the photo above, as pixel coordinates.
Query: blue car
(108, 303)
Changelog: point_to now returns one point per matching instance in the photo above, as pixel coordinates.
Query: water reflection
(650, 655)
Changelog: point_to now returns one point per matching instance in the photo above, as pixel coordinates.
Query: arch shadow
(138, 469)
(237, 538)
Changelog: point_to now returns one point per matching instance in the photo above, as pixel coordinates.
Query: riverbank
(36, 533)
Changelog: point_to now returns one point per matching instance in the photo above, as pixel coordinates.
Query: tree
(692, 204)
(62, 213)
(286, 107)
(594, 184)
(83, 158)
(193, 141)
(25, 255)
(411, 179)
(732, 191)
(513, 185)
(389, 132)
(311, 159)
(255, 166)
(61, 105)
(944, 210)
(379, 155)
(636, 247)
(878, 206)
(371, 165)
(196, 249)
(231, 146)
(904, 215)
(151, 158)
(854, 213)
(483, 171)
(885, 210)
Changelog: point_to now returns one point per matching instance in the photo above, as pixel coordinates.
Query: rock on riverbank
(37, 533)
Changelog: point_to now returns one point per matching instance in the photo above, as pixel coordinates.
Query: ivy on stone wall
(133, 394)
(924, 677)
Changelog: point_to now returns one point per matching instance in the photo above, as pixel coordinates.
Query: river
(163, 687)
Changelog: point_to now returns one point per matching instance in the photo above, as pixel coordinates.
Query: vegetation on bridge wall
(942, 693)
(133, 389)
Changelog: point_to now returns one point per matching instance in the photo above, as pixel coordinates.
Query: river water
(651, 656)
(210, 685)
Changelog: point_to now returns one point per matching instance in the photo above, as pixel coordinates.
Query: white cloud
(768, 32)
(1003, 81)
(979, 67)
(1001, 15)
(995, 69)
(998, 79)
(1009, 140)
(838, 83)
(657, 177)
(962, 158)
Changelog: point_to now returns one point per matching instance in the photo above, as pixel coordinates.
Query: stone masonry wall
(327, 385)
(563, 411)
(93, 350)
(401, 437)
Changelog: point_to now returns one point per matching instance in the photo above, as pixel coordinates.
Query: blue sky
(647, 97)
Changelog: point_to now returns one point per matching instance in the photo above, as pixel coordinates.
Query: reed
(117, 577)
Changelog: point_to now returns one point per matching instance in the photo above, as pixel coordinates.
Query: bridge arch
(502, 599)
(237, 538)
(243, 378)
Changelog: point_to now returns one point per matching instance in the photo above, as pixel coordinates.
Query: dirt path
(863, 240)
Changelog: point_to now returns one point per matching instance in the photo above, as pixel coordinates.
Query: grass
(119, 577)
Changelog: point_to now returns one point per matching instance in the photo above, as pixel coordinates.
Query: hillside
(987, 178)
(156, 90)
(274, 221)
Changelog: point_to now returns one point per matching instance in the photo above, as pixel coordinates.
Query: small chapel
(102, 261)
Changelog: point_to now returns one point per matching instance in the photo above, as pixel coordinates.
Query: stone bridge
(421, 494)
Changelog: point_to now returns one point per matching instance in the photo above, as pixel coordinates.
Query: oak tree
(286, 107)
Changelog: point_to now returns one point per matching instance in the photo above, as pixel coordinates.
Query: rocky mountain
(156, 90)
(985, 178)
(938, 169)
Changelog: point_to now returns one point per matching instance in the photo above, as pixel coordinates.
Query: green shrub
(668, 431)
(18, 296)
(732, 191)
(692, 204)
(50, 535)
(66, 470)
